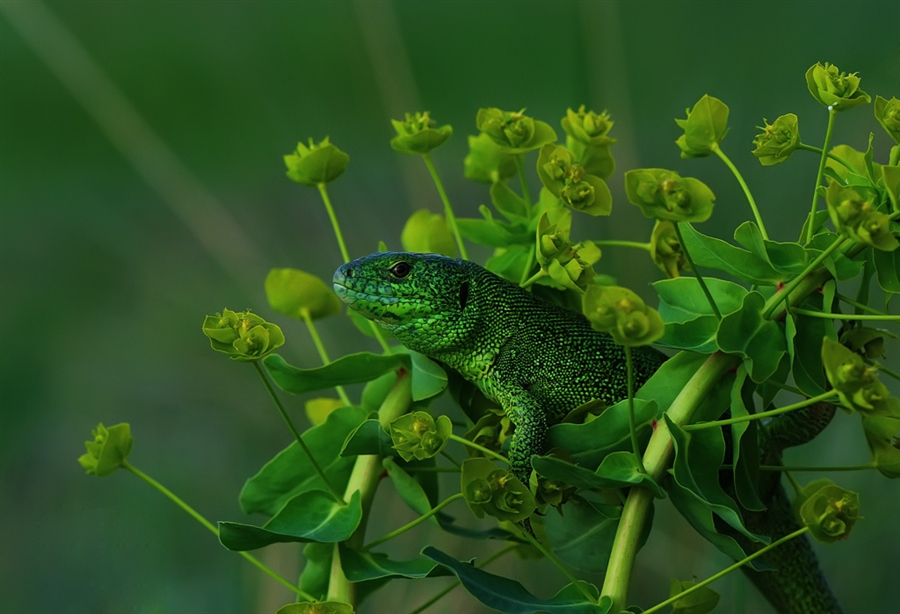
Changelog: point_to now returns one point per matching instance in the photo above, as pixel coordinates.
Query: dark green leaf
(806, 348)
(409, 490)
(362, 566)
(723, 256)
(614, 472)
(588, 444)
(583, 537)
(376, 391)
(291, 472)
(747, 333)
(690, 321)
(368, 438)
(783, 257)
(350, 369)
(510, 597)
(428, 378)
(317, 569)
(745, 444)
(509, 204)
(664, 385)
(312, 516)
(837, 263)
(887, 267)
(701, 601)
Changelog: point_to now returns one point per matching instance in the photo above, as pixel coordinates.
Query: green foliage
(755, 316)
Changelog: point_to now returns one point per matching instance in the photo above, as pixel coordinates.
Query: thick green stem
(700, 280)
(629, 363)
(196, 516)
(657, 457)
(481, 449)
(740, 179)
(727, 570)
(810, 230)
(845, 316)
(320, 347)
(411, 525)
(785, 292)
(762, 415)
(448, 210)
(297, 437)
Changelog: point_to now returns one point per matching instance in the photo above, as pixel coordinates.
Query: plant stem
(520, 167)
(858, 305)
(631, 423)
(885, 370)
(297, 437)
(196, 516)
(334, 223)
(523, 280)
(530, 281)
(410, 525)
(575, 581)
(812, 214)
(785, 292)
(727, 570)
(617, 243)
(844, 316)
(740, 179)
(481, 449)
(487, 561)
(687, 256)
(657, 457)
(448, 210)
(818, 150)
(761, 415)
(320, 347)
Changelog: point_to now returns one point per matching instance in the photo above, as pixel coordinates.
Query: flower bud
(621, 313)
(418, 436)
(108, 451)
(417, 135)
(567, 180)
(857, 385)
(777, 141)
(887, 112)
(828, 510)
(834, 89)
(665, 250)
(875, 230)
(244, 336)
(514, 132)
(704, 128)
(316, 163)
(588, 127)
(665, 195)
(495, 492)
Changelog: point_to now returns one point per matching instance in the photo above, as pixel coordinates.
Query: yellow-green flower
(665, 195)
(623, 314)
(665, 249)
(828, 510)
(417, 134)
(887, 112)
(108, 450)
(243, 335)
(316, 163)
(833, 88)
(777, 141)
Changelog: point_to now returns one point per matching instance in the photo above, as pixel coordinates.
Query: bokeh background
(142, 188)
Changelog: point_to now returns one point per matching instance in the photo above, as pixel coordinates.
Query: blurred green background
(123, 226)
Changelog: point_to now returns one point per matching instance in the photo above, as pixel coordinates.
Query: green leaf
(758, 340)
(350, 369)
(510, 597)
(698, 456)
(294, 293)
(316, 163)
(317, 569)
(368, 438)
(509, 204)
(318, 607)
(409, 490)
(588, 444)
(491, 232)
(487, 162)
(664, 385)
(701, 601)
(722, 256)
(883, 437)
(745, 444)
(837, 263)
(428, 378)
(615, 473)
(705, 127)
(623, 468)
(887, 268)
(363, 566)
(788, 258)
(429, 233)
(806, 348)
(583, 538)
(376, 391)
(312, 516)
(690, 321)
(291, 472)
(109, 449)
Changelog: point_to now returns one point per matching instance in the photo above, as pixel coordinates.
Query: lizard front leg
(530, 434)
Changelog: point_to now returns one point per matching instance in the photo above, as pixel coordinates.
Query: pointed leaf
(362, 566)
(584, 536)
(747, 333)
(350, 369)
(368, 438)
(428, 378)
(723, 256)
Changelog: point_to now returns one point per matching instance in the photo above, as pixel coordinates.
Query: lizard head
(420, 298)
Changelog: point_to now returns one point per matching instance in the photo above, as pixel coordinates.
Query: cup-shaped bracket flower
(883, 436)
(875, 230)
(623, 314)
(857, 385)
(487, 162)
(428, 232)
(108, 450)
(491, 430)
(418, 135)
(835, 89)
(568, 181)
(852, 211)
(496, 492)
(552, 242)
(418, 435)
(887, 112)
(867, 341)
(298, 294)
(316, 163)
(665, 195)
(777, 141)
(566, 267)
(243, 335)
(704, 128)
(827, 509)
(665, 249)
(588, 127)
(514, 132)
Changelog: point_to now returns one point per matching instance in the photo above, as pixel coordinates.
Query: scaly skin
(539, 361)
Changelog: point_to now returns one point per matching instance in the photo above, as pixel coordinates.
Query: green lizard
(538, 361)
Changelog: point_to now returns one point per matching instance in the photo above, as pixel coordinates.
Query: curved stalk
(762, 415)
(480, 448)
(696, 271)
(448, 210)
(810, 231)
(411, 525)
(746, 188)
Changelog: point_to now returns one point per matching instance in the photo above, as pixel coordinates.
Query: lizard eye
(401, 270)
